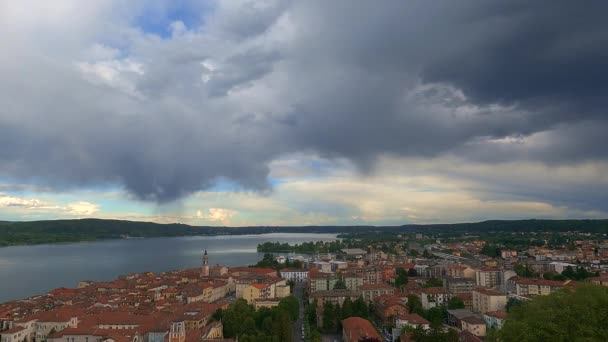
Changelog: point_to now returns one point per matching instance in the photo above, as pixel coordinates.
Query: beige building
(488, 277)
(322, 282)
(256, 291)
(371, 291)
(474, 325)
(538, 287)
(460, 271)
(486, 300)
(353, 281)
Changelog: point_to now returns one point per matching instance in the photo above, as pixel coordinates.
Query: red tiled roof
(376, 287)
(498, 314)
(488, 292)
(356, 327)
(414, 319)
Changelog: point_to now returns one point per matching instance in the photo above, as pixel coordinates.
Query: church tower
(205, 268)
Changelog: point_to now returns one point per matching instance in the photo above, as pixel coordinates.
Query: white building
(294, 275)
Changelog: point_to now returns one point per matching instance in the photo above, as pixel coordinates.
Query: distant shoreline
(92, 230)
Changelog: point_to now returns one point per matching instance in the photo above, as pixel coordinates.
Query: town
(402, 287)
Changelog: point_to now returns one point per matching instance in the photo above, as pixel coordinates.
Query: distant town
(388, 286)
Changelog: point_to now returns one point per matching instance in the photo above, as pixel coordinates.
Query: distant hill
(52, 231)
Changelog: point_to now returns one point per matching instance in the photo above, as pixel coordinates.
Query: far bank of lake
(36, 269)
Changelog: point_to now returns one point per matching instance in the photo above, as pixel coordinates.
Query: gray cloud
(167, 117)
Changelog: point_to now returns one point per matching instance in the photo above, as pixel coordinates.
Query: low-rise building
(371, 291)
(536, 287)
(474, 325)
(495, 319)
(412, 320)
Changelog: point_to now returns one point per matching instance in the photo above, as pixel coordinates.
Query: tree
(291, 305)
(412, 272)
(436, 316)
(413, 253)
(455, 303)
(347, 309)
(567, 315)
(523, 271)
(360, 308)
(512, 303)
(340, 284)
(329, 322)
(401, 279)
(311, 313)
(433, 282)
(414, 305)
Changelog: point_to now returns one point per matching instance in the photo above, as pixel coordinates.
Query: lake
(37, 269)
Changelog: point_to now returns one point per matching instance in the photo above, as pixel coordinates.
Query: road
(298, 291)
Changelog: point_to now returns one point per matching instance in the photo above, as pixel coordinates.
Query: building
(371, 291)
(353, 281)
(387, 308)
(256, 291)
(321, 281)
(474, 325)
(460, 271)
(266, 303)
(295, 275)
(205, 266)
(178, 331)
(353, 253)
(601, 280)
(458, 285)
(535, 287)
(357, 328)
(488, 277)
(495, 319)
(333, 296)
(370, 274)
(508, 253)
(486, 300)
(434, 296)
(412, 320)
(455, 317)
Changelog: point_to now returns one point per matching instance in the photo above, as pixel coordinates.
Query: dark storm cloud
(342, 80)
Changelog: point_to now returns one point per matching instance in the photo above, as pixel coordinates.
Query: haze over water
(30, 270)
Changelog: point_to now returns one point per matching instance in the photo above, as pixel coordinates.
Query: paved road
(298, 291)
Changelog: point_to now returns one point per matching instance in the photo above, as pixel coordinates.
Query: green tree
(436, 316)
(567, 315)
(414, 305)
(455, 303)
(360, 308)
(401, 278)
(347, 309)
(291, 305)
(340, 284)
(329, 322)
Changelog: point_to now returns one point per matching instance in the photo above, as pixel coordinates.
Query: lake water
(30, 270)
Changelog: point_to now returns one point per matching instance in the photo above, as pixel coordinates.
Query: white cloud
(12, 201)
(82, 209)
(216, 215)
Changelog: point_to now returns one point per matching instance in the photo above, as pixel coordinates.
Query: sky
(269, 112)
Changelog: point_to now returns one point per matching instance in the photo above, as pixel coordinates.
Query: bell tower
(205, 267)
